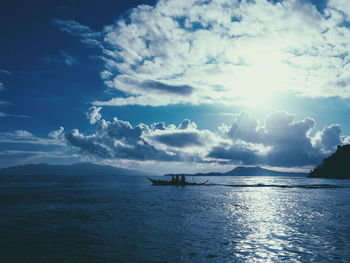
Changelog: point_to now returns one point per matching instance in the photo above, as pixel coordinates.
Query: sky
(174, 85)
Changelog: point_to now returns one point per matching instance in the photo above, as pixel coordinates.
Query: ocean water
(125, 219)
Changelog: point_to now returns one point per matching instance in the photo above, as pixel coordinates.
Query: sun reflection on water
(267, 234)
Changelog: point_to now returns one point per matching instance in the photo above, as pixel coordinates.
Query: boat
(164, 182)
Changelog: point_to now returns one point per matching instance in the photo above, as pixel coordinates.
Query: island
(335, 166)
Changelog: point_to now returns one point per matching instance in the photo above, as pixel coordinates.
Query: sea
(126, 219)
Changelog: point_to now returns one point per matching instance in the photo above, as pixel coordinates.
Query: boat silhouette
(177, 183)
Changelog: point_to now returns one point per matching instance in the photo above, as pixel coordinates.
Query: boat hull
(163, 182)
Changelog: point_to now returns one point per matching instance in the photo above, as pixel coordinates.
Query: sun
(260, 83)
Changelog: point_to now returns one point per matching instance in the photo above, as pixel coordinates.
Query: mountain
(335, 166)
(247, 171)
(258, 171)
(74, 169)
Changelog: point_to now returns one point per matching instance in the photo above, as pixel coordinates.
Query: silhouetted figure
(177, 179)
(183, 179)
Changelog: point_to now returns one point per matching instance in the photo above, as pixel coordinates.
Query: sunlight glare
(258, 84)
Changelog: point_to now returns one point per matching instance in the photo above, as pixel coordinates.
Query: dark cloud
(329, 138)
(119, 139)
(239, 153)
(287, 142)
(291, 142)
(166, 88)
(88, 144)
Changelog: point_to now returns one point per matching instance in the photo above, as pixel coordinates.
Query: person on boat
(183, 179)
(177, 179)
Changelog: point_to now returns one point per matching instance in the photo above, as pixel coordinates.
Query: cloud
(10, 158)
(62, 57)
(25, 137)
(85, 33)
(148, 92)
(244, 128)
(6, 72)
(2, 102)
(329, 138)
(186, 137)
(57, 134)
(2, 87)
(179, 140)
(94, 114)
(165, 88)
(240, 152)
(120, 140)
(279, 140)
(187, 124)
(6, 103)
(3, 114)
(22, 147)
(223, 51)
(341, 6)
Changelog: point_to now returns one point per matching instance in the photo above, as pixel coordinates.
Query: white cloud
(341, 6)
(86, 34)
(94, 114)
(4, 114)
(57, 134)
(220, 51)
(25, 137)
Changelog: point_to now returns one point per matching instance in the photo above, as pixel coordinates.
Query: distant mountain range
(96, 169)
(74, 169)
(247, 171)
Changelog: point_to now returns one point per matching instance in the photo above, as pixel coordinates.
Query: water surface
(125, 219)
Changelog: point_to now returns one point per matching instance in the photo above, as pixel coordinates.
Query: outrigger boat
(164, 182)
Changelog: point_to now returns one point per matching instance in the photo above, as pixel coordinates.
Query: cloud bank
(223, 51)
(279, 140)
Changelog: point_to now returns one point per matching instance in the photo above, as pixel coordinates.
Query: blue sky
(174, 85)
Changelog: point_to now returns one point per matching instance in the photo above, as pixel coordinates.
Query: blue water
(125, 219)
